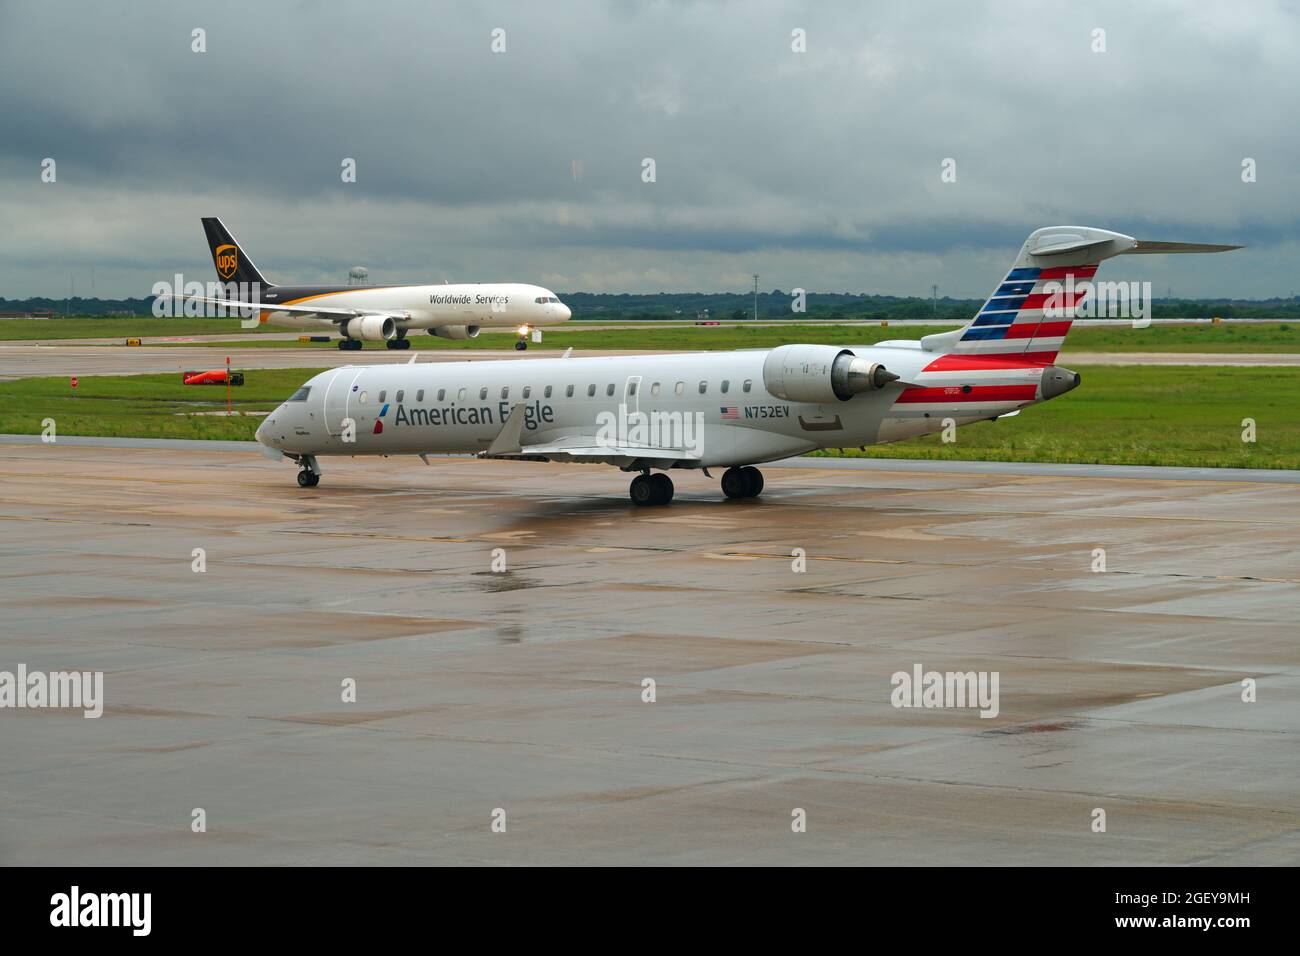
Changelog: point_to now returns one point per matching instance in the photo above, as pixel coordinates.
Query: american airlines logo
(536, 414)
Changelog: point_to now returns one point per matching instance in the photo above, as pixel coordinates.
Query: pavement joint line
(896, 465)
(488, 540)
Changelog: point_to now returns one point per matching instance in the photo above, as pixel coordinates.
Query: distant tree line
(728, 306)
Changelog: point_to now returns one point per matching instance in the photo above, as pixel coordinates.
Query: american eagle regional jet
(378, 313)
(651, 414)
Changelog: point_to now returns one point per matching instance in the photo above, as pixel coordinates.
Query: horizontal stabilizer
(333, 315)
(1142, 246)
(1059, 245)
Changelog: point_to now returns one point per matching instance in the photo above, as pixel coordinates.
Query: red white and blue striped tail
(1030, 312)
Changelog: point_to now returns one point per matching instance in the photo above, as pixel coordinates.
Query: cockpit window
(301, 394)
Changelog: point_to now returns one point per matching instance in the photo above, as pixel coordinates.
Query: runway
(522, 691)
(27, 360)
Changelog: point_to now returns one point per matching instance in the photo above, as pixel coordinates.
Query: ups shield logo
(227, 260)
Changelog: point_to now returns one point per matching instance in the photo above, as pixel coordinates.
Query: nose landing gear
(651, 489)
(746, 482)
(309, 473)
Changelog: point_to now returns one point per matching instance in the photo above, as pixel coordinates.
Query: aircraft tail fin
(233, 264)
(1031, 311)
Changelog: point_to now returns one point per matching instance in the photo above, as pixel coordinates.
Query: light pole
(755, 296)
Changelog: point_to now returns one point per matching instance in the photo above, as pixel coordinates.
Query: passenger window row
(679, 390)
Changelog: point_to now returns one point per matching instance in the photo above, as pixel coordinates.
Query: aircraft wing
(589, 448)
(330, 315)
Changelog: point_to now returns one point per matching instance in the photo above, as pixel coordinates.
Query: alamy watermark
(193, 299)
(682, 431)
(78, 690)
(1098, 300)
(950, 689)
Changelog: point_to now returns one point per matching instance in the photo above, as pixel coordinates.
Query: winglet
(507, 440)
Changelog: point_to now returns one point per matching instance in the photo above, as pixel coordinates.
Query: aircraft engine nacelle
(455, 331)
(821, 373)
(371, 328)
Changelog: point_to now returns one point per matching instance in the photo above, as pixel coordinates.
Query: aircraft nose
(565, 313)
(260, 434)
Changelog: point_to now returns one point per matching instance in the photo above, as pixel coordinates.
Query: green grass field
(143, 406)
(85, 327)
(1139, 415)
(1271, 337)
(1225, 338)
(1146, 415)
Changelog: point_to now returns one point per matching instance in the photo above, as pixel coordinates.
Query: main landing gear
(401, 342)
(657, 489)
(746, 482)
(349, 345)
(648, 489)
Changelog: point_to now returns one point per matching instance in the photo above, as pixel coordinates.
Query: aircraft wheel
(663, 486)
(754, 480)
(308, 478)
(343, 344)
(642, 491)
(735, 483)
(521, 345)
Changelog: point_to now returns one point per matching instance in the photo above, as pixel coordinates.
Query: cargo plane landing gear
(648, 489)
(746, 482)
(349, 345)
(401, 342)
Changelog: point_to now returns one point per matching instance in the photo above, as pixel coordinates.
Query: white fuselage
(440, 407)
(476, 305)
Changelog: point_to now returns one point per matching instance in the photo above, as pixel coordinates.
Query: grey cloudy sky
(817, 169)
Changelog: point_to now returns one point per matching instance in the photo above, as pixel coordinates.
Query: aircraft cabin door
(632, 393)
(337, 399)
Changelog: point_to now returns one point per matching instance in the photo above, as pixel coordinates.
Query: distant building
(29, 314)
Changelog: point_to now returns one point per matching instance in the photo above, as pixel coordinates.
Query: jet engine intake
(371, 328)
(455, 331)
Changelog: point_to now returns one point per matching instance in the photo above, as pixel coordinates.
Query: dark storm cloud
(819, 169)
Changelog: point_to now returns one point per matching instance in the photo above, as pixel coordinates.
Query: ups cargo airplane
(653, 413)
(382, 313)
